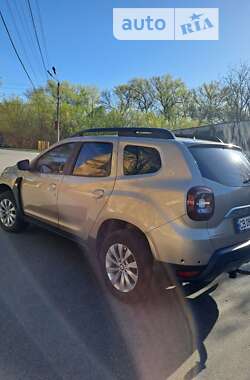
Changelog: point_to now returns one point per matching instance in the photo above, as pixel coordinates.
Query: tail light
(187, 275)
(200, 203)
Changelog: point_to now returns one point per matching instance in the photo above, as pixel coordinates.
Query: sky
(80, 44)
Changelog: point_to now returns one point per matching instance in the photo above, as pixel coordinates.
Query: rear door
(85, 191)
(227, 172)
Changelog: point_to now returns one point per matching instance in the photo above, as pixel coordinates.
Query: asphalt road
(9, 157)
(57, 322)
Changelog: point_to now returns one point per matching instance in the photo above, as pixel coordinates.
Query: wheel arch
(4, 188)
(112, 225)
(16, 191)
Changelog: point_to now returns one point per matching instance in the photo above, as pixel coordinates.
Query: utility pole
(58, 112)
(57, 121)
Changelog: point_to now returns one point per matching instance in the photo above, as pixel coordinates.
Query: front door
(40, 186)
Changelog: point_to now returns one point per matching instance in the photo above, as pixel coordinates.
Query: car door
(84, 192)
(40, 185)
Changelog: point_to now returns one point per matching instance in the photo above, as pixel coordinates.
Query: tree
(143, 95)
(237, 88)
(120, 99)
(169, 95)
(209, 103)
(78, 105)
(161, 101)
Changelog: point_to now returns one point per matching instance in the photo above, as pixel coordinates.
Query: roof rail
(159, 133)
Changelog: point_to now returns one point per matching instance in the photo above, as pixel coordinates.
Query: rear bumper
(223, 261)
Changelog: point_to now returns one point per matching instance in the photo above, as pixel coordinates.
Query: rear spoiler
(209, 138)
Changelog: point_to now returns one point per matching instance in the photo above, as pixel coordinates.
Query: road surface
(57, 322)
(9, 157)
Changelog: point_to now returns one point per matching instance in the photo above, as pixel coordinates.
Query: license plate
(242, 224)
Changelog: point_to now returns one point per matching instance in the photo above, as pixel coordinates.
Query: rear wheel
(126, 262)
(10, 218)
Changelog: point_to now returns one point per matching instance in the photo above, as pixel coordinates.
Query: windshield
(229, 167)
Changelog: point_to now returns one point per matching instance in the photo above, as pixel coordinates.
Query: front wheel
(10, 218)
(126, 262)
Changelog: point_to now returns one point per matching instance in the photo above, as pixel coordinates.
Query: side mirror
(23, 165)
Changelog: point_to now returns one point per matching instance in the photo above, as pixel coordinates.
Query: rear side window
(140, 160)
(94, 160)
(229, 167)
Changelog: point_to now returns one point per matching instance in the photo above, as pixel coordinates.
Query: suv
(142, 195)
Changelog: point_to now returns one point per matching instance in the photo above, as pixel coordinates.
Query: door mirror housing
(23, 165)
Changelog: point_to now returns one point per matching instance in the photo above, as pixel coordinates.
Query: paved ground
(56, 321)
(10, 157)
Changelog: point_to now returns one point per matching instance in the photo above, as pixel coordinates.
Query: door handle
(98, 193)
(52, 187)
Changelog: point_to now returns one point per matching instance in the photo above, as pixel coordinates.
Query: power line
(14, 47)
(42, 32)
(36, 34)
(27, 32)
(20, 39)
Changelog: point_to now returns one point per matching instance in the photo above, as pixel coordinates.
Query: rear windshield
(227, 166)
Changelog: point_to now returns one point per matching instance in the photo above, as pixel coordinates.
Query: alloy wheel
(7, 213)
(121, 267)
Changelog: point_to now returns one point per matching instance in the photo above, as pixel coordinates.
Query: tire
(13, 221)
(136, 267)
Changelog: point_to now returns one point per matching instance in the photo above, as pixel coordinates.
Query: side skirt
(56, 230)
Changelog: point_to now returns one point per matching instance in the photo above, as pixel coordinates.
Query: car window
(140, 160)
(54, 161)
(227, 166)
(94, 160)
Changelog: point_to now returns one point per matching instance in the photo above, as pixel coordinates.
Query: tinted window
(140, 160)
(94, 160)
(227, 166)
(54, 161)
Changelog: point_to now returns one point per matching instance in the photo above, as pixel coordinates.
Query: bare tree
(107, 101)
(120, 99)
(209, 102)
(237, 87)
(169, 95)
(143, 95)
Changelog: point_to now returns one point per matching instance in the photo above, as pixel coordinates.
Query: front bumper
(223, 261)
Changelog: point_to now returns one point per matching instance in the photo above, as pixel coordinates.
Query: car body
(182, 202)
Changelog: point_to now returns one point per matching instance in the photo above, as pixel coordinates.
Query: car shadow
(53, 291)
(205, 314)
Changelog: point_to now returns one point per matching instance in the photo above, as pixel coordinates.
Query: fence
(42, 145)
(234, 133)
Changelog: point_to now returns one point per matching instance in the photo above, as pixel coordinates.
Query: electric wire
(36, 35)
(20, 39)
(42, 33)
(15, 50)
(29, 35)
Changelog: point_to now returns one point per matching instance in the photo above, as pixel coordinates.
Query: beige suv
(142, 195)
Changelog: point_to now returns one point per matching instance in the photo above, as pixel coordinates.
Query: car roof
(142, 139)
(90, 138)
(138, 134)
